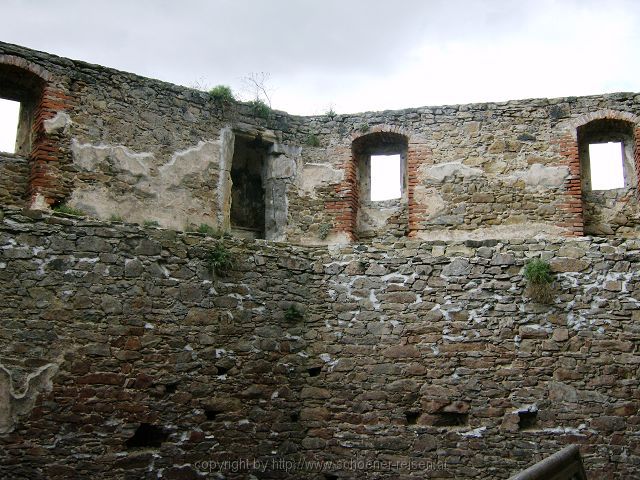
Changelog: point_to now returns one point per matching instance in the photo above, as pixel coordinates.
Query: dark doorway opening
(247, 192)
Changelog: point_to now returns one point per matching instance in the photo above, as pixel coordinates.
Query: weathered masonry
(111, 143)
(363, 330)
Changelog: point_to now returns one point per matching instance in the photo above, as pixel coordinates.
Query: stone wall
(114, 144)
(14, 172)
(126, 356)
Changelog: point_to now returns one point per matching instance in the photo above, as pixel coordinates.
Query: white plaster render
(191, 161)
(38, 202)
(59, 123)
(430, 199)
(437, 173)
(227, 148)
(281, 167)
(538, 175)
(90, 157)
(514, 231)
(14, 404)
(163, 194)
(314, 175)
(334, 240)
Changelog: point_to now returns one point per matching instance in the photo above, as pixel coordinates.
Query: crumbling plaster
(14, 404)
(170, 193)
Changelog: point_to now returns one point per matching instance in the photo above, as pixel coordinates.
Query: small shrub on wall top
(539, 278)
(222, 93)
(260, 109)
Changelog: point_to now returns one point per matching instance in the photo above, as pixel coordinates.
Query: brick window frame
(346, 201)
(43, 97)
(569, 146)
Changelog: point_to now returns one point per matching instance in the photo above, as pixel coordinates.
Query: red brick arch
(346, 203)
(45, 156)
(569, 149)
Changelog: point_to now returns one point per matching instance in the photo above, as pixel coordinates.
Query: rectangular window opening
(606, 165)
(386, 178)
(9, 121)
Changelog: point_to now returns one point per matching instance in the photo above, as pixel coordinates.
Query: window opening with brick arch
(20, 93)
(380, 160)
(606, 149)
(608, 171)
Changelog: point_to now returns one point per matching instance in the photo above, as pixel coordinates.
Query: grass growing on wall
(539, 278)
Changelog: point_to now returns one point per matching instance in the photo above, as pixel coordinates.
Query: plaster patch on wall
(170, 194)
(431, 199)
(14, 404)
(437, 173)
(227, 148)
(503, 232)
(188, 162)
(59, 123)
(538, 175)
(281, 167)
(92, 157)
(38, 202)
(333, 240)
(314, 175)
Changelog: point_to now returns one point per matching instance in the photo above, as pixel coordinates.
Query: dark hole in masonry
(222, 370)
(211, 413)
(314, 371)
(527, 420)
(147, 435)
(450, 419)
(330, 476)
(295, 416)
(171, 387)
(412, 417)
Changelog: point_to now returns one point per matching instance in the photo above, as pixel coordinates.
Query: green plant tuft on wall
(538, 271)
(330, 113)
(115, 218)
(539, 278)
(292, 314)
(219, 259)
(312, 140)
(222, 94)
(66, 209)
(364, 127)
(260, 109)
(208, 230)
(151, 223)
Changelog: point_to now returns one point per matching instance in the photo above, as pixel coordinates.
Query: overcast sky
(351, 55)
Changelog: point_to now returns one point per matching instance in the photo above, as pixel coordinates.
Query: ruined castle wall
(492, 170)
(132, 147)
(114, 144)
(424, 352)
